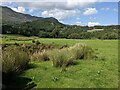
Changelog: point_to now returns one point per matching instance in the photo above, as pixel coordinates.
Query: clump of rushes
(61, 58)
(14, 60)
(40, 56)
(68, 56)
(81, 51)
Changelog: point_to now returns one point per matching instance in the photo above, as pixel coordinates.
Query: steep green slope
(11, 17)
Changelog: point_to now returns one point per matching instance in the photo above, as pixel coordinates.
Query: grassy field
(102, 73)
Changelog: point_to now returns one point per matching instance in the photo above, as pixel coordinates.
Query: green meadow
(90, 73)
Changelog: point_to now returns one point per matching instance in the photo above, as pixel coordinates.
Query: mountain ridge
(11, 17)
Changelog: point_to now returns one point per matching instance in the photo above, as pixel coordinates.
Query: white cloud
(77, 18)
(105, 8)
(31, 10)
(61, 22)
(74, 23)
(90, 24)
(62, 9)
(62, 4)
(19, 9)
(60, 14)
(92, 18)
(90, 11)
(78, 23)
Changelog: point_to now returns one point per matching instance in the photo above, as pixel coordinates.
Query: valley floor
(102, 73)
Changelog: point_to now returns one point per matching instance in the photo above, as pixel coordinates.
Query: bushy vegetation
(14, 63)
(40, 56)
(61, 58)
(82, 51)
(15, 60)
(66, 56)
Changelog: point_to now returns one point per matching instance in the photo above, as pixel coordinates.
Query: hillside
(11, 17)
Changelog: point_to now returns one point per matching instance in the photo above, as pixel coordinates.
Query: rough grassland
(102, 73)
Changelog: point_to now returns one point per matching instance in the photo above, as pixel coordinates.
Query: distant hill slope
(11, 17)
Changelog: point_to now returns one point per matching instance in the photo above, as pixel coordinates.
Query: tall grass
(61, 58)
(66, 56)
(40, 56)
(82, 51)
(15, 60)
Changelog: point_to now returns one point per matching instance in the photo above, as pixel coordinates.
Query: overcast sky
(71, 12)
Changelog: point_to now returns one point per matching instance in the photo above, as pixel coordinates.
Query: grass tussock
(61, 58)
(68, 56)
(40, 56)
(82, 51)
(15, 60)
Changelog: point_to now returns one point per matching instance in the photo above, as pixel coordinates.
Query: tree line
(50, 29)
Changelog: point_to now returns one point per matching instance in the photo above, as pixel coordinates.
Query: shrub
(15, 60)
(40, 56)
